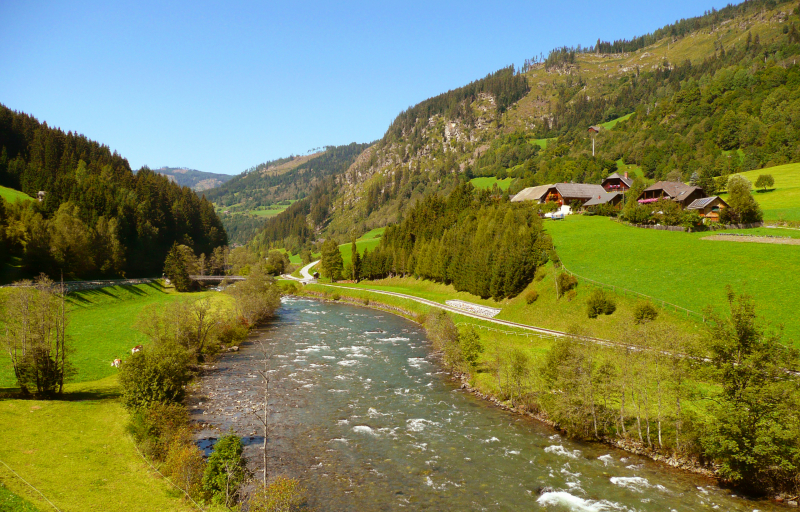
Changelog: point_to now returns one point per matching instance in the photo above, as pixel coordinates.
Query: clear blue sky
(222, 86)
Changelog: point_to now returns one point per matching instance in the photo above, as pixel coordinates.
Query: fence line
(664, 304)
(511, 333)
(30, 485)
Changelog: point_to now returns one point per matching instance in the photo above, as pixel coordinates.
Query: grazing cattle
(116, 363)
(137, 348)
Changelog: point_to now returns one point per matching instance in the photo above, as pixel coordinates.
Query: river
(363, 415)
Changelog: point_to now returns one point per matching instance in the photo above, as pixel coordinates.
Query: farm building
(673, 190)
(531, 194)
(611, 198)
(708, 207)
(566, 193)
(617, 182)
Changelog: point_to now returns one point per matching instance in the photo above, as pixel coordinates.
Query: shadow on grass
(766, 191)
(83, 394)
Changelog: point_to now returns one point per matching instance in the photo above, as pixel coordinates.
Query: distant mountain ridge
(192, 178)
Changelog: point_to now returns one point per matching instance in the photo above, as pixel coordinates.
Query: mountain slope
(194, 179)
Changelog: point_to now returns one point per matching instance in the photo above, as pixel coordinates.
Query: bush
(540, 274)
(156, 426)
(366, 302)
(571, 295)
(281, 495)
(644, 311)
(531, 297)
(336, 296)
(225, 471)
(600, 303)
(565, 282)
(232, 333)
(157, 374)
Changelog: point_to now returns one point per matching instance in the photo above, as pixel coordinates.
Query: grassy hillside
(782, 201)
(102, 326)
(11, 195)
(488, 183)
(682, 268)
(78, 453)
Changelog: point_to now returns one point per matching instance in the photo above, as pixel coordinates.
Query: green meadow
(76, 450)
(11, 195)
(781, 201)
(683, 268)
(488, 182)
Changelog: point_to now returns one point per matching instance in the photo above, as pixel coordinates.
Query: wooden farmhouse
(672, 190)
(708, 207)
(617, 183)
(566, 193)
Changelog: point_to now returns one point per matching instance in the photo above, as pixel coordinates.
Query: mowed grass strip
(681, 267)
(77, 452)
(102, 326)
(782, 201)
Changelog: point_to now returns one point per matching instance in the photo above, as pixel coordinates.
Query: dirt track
(753, 239)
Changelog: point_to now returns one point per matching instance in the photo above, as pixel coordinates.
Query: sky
(224, 86)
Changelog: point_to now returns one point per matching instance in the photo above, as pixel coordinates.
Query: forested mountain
(709, 96)
(195, 180)
(97, 218)
(274, 185)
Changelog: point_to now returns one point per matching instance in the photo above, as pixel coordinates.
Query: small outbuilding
(610, 198)
(708, 207)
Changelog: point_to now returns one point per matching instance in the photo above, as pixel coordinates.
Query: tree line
(97, 218)
(480, 245)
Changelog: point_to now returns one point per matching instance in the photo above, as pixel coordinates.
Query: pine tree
(355, 260)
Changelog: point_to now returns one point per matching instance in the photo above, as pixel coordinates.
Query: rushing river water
(362, 414)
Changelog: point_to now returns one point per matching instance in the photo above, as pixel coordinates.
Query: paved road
(305, 272)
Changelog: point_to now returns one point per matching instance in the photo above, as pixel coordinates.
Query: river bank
(687, 463)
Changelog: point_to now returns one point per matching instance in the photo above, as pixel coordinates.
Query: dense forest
(480, 245)
(96, 218)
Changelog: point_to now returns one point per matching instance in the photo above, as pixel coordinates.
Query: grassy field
(682, 268)
(608, 125)
(782, 202)
(101, 326)
(11, 195)
(10, 502)
(548, 311)
(77, 452)
(488, 182)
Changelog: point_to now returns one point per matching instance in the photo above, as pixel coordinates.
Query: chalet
(617, 183)
(593, 130)
(566, 193)
(531, 194)
(673, 190)
(708, 207)
(611, 198)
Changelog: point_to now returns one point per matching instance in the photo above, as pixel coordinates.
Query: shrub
(365, 301)
(540, 274)
(185, 465)
(281, 495)
(225, 471)
(644, 311)
(565, 282)
(157, 374)
(531, 297)
(571, 295)
(600, 303)
(154, 427)
(471, 347)
(232, 333)
(336, 296)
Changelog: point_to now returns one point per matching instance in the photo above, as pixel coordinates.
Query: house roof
(579, 190)
(674, 189)
(596, 128)
(603, 198)
(627, 181)
(531, 193)
(699, 204)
